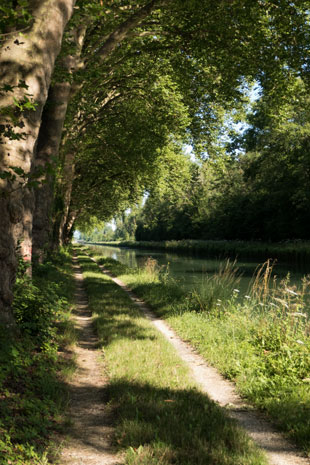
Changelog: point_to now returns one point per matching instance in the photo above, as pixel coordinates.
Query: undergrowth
(261, 340)
(32, 394)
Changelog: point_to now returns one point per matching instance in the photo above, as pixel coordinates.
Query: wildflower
(247, 296)
(300, 342)
(236, 290)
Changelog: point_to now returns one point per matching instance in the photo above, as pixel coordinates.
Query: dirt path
(89, 436)
(278, 450)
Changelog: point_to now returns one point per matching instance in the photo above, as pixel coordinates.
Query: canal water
(191, 272)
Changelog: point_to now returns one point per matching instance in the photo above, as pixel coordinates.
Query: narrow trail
(89, 436)
(279, 451)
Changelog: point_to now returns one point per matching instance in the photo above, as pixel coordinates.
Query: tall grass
(261, 340)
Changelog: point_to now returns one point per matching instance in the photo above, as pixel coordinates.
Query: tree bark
(28, 59)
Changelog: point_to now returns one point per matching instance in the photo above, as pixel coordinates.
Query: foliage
(36, 308)
(258, 189)
(276, 166)
(32, 394)
(14, 15)
(174, 76)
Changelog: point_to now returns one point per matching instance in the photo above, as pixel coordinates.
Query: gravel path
(279, 451)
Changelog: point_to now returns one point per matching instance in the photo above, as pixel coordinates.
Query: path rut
(89, 436)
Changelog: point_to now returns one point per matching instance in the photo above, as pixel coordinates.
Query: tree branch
(123, 30)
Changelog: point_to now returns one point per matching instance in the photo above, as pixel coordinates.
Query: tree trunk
(68, 229)
(47, 154)
(24, 59)
(65, 189)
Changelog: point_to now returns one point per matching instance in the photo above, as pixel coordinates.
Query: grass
(161, 416)
(260, 341)
(34, 363)
(296, 252)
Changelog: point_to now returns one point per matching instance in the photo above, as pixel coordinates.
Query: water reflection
(192, 272)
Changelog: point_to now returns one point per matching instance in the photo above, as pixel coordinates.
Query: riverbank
(295, 252)
(261, 342)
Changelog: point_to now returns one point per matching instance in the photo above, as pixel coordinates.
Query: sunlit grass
(161, 416)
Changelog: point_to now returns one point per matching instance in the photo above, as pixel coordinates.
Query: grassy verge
(297, 252)
(261, 342)
(161, 417)
(33, 364)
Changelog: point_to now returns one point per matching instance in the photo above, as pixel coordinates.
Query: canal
(191, 272)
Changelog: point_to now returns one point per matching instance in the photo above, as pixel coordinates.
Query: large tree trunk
(28, 59)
